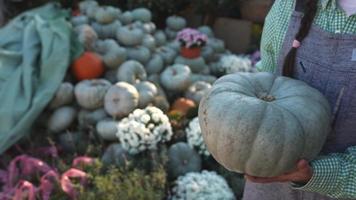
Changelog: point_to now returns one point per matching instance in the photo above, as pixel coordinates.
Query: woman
(315, 41)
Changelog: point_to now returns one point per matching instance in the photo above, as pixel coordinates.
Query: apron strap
(300, 6)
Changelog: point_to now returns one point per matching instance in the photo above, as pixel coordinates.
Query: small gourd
(121, 99)
(116, 155)
(155, 65)
(106, 30)
(88, 66)
(87, 118)
(168, 54)
(196, 64)
(86, 36)
(160, 37)
(149, 42)
(113, 55)
(176, 77)
(171, 34)
(79, 20)
(129, 36)
(61, 119)
(107, 14)
(107, 129)
(126, 18)
(142, 14)
(176, 23)
(131, 72)
(182, 159)
(139, 53)
(90, 93)
(206, 30)
(63, 96)
(183, 106)
(147, 92)
(201, 77)
(197, 90)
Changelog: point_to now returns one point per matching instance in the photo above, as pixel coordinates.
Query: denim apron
(327, 62)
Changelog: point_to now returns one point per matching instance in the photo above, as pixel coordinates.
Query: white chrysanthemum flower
(143, 129)
(195, 137)
(201, 186)
(231, 63)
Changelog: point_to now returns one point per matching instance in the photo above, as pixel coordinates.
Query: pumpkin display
(63, 96)
(160, 38)
(140, 54)
(168, 54)
(87, 118)
(90, 93)
(61, 119)
(131, 72)
(197, 90)
(79, 20)
(88, 66)
(183, 105)
(112, 54)
(182, 159)
(176, 77)
(142, 14)
(129, 35)
(107, 129)
(207, 31)
(147, 91)
(105, 31)
(155, 65)
(86, 36)
(126, 18)
(121, 99)
(171, 34)
(201, 77)
(149, 42)
(176, 23)
(107, 14)
(266, 123)
(116, 155)
(196, 65)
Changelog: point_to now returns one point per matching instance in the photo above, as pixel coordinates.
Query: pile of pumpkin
(132, 77)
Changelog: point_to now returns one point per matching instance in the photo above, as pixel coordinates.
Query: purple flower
(191, 38)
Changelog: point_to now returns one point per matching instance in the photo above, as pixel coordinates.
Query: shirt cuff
(324, 179)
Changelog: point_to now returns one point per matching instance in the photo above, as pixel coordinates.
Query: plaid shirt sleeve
(334, 175)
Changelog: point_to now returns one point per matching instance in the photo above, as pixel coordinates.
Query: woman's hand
(302, 175)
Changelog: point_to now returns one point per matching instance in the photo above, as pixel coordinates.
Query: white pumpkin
(113, 55)
(87, 118)
(149, 27)
(107, 14)
(139, 53)
(121, 99)
(79, 20)
(90, 93)
(131, 72)
(87, 36)
(63, 96)
(197, 90)
(129, 35)
(147, 92)
(106, 30)
(155, 65)
(61, 119)
(176, 77)
(160, 37)
(107, 129)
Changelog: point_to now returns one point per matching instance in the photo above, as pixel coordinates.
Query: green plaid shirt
(334, 175)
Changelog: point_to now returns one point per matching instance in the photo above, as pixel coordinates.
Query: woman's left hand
(302, 174)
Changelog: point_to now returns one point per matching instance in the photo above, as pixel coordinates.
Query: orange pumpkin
(88, 66)
(183, 105)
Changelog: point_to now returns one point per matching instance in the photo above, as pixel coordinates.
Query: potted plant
(191, 41)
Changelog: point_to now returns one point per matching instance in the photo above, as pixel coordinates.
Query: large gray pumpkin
(131, 72)
(261, 124)
(182, 159)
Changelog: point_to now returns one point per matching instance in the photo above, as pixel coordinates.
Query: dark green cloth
(36, 48)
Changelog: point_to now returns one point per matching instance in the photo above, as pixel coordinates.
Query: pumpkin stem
(267, 97)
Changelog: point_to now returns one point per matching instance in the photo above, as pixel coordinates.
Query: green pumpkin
(126, 18)
(107, 14)
(176, 78)
(197, 90)
(261, 124)
(147, 92)
(182, 159)
(116, 155)
(196, 65)
(142, 14)
(141, 54)
(129, 35)
(176, 23)
(160, 37)
(155, 65)
(131, 72)
(112, 54)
